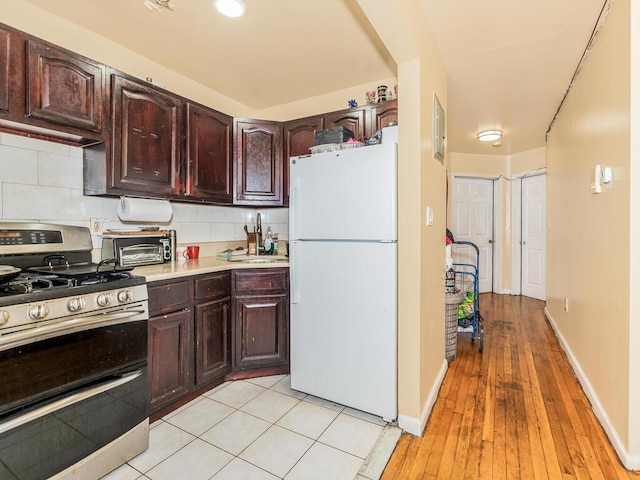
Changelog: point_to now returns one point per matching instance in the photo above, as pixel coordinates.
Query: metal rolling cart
(469, 318)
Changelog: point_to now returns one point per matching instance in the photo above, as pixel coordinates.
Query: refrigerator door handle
(293, 276)
(293, 210)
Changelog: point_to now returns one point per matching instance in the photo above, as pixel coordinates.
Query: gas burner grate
(28, 284)
(103, 277)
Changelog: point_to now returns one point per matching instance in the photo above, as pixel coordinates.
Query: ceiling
(509, 61)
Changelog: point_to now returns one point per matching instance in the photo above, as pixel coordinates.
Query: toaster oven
(135, 249)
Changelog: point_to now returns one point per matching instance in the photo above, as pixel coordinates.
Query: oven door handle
(70, 400)
(64, 327)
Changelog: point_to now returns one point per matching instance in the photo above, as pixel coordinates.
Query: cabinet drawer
(212, 287)
(261, 280)
(168, 296)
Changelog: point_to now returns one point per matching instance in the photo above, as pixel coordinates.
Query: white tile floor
(261, 429)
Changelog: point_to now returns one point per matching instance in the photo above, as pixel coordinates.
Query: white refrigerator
(343, 266)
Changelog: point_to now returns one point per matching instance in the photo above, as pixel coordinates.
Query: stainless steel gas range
(73, 356)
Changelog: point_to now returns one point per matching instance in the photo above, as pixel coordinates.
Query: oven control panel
(29, 237)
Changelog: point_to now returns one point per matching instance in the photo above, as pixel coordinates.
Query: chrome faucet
(258, 233)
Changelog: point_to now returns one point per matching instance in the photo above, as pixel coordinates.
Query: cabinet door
(209, 155)
(258, 163)
(261, 331)
(5, 50)
(169, 359)
(299, 136)
(63, 87)
(213, 340)
(353, 119)
(381, 115)
(146, 139)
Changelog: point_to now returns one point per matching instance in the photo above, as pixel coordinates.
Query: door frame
(516, 222)
(496, 274)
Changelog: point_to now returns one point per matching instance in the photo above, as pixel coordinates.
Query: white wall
(42, 181)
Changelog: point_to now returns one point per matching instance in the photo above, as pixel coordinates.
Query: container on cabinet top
(390, 134)
(332, 135)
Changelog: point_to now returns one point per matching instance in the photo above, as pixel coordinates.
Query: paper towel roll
(144, 210)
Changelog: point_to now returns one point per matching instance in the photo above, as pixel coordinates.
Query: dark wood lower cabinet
(169, 357)
(261, 331)
(207, 328)
(213, 340)
(260, 318)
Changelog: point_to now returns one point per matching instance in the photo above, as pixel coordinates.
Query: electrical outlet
(95, 225)
(566, 304)
(99, 225)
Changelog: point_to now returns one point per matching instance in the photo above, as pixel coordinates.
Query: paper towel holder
(147, 210)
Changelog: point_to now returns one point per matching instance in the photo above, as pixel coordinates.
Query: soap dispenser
(268, 243)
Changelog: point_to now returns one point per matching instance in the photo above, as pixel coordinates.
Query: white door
(473, 222)
(534, 234)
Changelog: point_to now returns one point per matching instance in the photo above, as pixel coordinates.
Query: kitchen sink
(254, 259)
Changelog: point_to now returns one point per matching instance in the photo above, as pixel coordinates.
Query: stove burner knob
(104, 300)
(38, 312)
(76, 304)
(125, 296)
(4, 317)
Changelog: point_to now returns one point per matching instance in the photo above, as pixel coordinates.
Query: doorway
(534, 235)
(473, 221)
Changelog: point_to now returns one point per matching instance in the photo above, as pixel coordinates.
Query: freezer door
(349, 194)
(344, 323)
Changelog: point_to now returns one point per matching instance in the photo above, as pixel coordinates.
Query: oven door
(64, 396)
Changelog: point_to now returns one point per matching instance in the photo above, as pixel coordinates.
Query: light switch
(596, 186)
(428, 216)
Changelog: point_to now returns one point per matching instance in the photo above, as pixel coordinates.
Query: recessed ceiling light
(490, 135)
(231, 8)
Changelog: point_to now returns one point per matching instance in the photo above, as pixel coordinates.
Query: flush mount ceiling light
(158, 5)
(231, 8)
(490, 135)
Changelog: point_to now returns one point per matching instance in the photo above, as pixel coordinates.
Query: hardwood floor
(515, 411)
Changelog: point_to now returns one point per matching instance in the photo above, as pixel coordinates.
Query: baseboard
(630, 462)
(503, 291)
(415, 426)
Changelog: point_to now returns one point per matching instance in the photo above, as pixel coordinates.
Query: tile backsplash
(41, 181)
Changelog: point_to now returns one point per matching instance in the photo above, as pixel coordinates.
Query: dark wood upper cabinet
(209, 155)
(146, 125)
(299, 136)
(258, 162)
(381, 115)
(64, 88)
(354, 119)
(5, 50)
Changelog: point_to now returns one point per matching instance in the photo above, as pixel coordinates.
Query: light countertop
(169, 270)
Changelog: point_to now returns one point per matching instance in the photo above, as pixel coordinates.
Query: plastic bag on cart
(466, 310)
